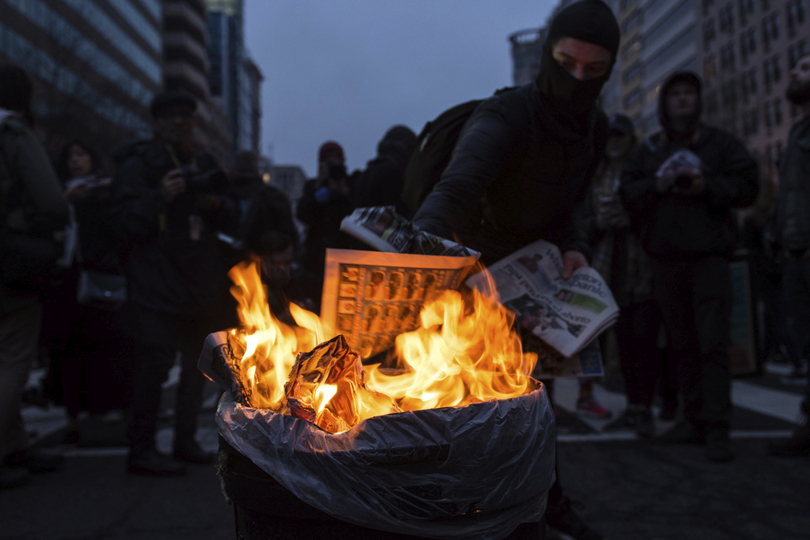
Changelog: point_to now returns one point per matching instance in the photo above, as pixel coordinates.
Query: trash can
(264, 509)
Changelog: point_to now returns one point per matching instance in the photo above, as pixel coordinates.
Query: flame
(464, 351)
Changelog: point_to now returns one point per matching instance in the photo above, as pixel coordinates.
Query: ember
(462, 353)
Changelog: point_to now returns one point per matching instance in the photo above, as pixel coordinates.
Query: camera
(337, 171)
(683, 182)
(211, 181)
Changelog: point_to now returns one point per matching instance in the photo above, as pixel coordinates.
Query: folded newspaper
(372, 297)
(565, 313)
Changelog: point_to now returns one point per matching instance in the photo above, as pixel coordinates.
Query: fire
(463, 352)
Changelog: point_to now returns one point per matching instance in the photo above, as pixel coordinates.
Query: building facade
(234, 79)
(747, 48)
(185, 37)
(96, 65)
(290, 179)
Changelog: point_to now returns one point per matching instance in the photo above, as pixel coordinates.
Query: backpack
(434, 147)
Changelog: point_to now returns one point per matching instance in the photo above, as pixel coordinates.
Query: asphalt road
(628, 489)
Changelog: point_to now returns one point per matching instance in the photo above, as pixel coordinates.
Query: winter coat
(519, 172)
(30, 194)
(675, 225)
(168, 270)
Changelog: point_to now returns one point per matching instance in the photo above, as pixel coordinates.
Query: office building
(96, 65)
(747, 48)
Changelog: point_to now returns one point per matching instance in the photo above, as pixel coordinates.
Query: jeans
(19, 339)
(695, 298)
(162, 335)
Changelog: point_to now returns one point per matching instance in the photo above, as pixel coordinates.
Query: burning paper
(327, 387)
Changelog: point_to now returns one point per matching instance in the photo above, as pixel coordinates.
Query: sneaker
(682, 433)
(626, 421)
(717, 447)
(645, 426)
(591, 408)
(152, 463)
(797, 445)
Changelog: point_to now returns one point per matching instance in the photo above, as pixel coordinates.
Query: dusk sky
(348, 70)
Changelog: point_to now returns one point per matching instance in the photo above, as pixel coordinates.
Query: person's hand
(78, 191)
(172, 185)
(571, 261)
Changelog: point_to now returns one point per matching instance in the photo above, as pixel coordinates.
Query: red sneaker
(591, 408)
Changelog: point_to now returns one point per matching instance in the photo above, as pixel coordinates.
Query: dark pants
(796, 285)
(639, 355)
(19, 337)
(695, 300)
(161, 336)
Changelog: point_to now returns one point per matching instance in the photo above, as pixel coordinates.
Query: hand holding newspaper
(566, 314)
(372, 297)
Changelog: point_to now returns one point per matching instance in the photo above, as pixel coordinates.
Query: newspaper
(372, 297)
(566, 314)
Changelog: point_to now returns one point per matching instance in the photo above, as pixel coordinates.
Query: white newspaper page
(372, 297)
(566, 314)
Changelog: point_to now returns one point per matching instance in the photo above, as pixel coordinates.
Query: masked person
(679, 189)
(522, 165)
(793, 232)
(167, 210)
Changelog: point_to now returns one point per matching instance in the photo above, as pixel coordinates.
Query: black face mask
(567, 94)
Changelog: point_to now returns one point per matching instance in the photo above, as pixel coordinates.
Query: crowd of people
(658, 218)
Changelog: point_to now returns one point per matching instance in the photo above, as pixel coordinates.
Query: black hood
(591, 21)
(663, 117)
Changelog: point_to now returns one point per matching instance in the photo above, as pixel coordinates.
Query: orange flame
(462, 353)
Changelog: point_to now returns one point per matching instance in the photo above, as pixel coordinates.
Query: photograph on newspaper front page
(371, 297)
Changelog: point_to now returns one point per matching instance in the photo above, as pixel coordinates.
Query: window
(770, 28)
(726, 17)
(795, 52)
(708, 33)
(728, 96)
(748, 43)
(727, 57)
(796, 10)
(711, 102)
(773, 114)
(749, 83)
(707, 4)
(750, 122)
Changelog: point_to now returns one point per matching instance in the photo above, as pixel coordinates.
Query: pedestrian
(619, 258)
(523, 162)
(167, 207)
(679, 189)
(382, 181)
(326, 200)
(91, 350)
(793, 233)
(32, 209)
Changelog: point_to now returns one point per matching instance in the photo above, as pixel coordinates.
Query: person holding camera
(679, 188)
(167, 209)
(323, 205)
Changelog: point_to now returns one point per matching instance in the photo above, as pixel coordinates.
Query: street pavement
(624, 487)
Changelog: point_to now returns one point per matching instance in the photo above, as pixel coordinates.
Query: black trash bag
(463, 472)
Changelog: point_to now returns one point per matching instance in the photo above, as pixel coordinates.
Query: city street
(628, 489)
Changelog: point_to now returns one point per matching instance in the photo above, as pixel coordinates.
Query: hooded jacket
(675, 225)
(520, 169)
(382, 182)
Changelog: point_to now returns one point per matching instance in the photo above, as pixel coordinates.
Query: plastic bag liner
(464, 472)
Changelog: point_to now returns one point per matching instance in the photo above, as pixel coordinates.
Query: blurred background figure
(324, 203)
(91, 350)
(32, 209)
(619, 258)
(381, 183)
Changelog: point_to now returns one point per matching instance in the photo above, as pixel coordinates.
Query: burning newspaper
(565, 314)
